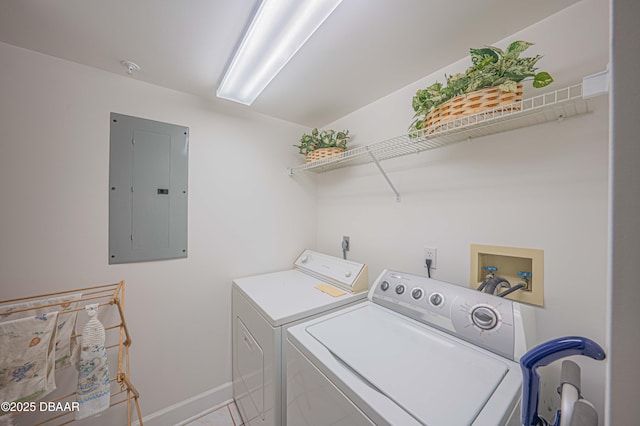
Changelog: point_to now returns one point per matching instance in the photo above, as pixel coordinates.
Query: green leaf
(528, 62)
(496, 50)
(457, 84)
(483, 56)
(508, 86)
(542, 79)
(419, 124)
(521, 68)
(517, 47)
(481, 82)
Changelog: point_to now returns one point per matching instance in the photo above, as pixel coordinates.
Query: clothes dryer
(263, 307)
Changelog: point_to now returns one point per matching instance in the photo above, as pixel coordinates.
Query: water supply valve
(524, 279)
(490, 271)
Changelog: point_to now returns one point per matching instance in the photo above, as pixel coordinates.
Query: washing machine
(418, 352)
(263, 307)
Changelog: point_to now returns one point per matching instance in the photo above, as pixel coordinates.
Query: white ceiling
(364, 51)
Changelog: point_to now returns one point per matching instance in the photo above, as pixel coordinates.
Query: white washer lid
(435, 379)
(287, 296)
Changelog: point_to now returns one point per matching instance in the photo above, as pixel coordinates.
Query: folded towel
(65, 345)
(94, 388)
(27, 357)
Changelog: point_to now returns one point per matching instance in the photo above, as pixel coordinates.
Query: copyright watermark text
(24, 407)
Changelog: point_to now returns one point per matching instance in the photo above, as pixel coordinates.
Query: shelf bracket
(393, 188)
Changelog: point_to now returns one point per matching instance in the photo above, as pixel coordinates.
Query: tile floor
(223, 416)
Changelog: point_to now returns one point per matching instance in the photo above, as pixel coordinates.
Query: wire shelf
(551, 106)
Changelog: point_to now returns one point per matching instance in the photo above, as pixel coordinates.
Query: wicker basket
(472, 103)
(321, 153)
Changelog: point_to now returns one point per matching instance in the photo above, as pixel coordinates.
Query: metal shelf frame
(552, 106)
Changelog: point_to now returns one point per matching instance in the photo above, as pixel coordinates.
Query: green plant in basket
(492, 67)
(322, 139)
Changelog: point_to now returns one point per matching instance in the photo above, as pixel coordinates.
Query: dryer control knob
(436, 299)
(304, 259)
(384, 285)
(484, 317)
(347, 274)
(400, 288)
(417, 293)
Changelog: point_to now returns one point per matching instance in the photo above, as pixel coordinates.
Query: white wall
(624, 299)
(245, 215)
(541, 187)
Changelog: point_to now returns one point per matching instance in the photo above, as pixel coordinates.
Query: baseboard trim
(185, 411)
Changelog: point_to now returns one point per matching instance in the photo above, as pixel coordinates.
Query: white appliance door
(250, 361)
(435, 379)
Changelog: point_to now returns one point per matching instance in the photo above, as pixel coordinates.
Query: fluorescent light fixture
(279, 28)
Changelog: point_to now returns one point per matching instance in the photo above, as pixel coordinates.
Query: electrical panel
(148, 176)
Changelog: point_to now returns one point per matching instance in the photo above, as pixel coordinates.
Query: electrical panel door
(148, 174)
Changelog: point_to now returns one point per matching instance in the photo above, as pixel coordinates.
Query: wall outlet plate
(346, 244)
(430, 253)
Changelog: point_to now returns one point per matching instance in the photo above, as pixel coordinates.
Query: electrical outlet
(430, 253)
(345, 243)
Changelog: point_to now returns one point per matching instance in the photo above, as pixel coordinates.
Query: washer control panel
(479, 318)
(345, 274)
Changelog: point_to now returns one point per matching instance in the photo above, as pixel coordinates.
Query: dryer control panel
(487, 321)
(345, 274)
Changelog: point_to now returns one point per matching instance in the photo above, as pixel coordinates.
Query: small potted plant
(322, 143)
(493, 80)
